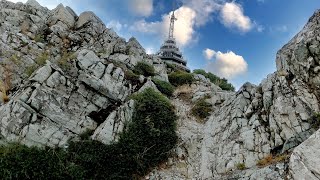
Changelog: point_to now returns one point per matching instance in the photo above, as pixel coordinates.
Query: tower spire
(172, 19)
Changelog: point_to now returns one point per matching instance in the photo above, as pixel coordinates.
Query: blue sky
(235, 39)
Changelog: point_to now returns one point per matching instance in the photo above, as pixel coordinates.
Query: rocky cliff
(63, 74)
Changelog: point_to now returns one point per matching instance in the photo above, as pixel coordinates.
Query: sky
(234, 39)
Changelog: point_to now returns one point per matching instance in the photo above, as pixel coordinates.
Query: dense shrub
(132, 77)
(201, 109)
(164, 87)
(179, 78)
(146, 142)
(143, 68)
(222, 83)
(20, 162)
(314, 121)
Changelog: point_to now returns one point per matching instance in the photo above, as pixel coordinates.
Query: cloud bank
(227, 65)
(232, 16)
(141, 7)
(194, 14)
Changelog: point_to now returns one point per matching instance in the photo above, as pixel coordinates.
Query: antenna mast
(172, 19)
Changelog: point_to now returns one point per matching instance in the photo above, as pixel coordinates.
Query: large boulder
(60, 13)
(304, 161)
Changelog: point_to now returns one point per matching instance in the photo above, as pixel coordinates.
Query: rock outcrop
(67, 75)
(245, 136)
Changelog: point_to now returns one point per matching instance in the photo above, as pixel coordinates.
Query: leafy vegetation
(241, 166)
(315, 121)
(86, 134)
(201, 109)
(15, 59)
(143, 68)
(30, 69)
(65, 61)
(131, 76)
(39, 38)
(20, 162)
(146, 143)
(179, 78)
(222, 83)
(164, 87)
(41, 59)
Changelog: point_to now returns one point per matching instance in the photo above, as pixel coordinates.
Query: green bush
(241, 166)
(132, 77)
(164, 87)
(222, 83)
(21, 162)
(146, 142)
(179, 78)
(145, 69)
(201, 109)
(86, 134)
(39, 38)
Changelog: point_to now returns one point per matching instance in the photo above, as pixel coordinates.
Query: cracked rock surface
(68, 75)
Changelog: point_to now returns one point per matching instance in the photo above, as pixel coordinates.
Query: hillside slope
(64, 74)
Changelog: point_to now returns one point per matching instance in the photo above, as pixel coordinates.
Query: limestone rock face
(68, 75)
(60, 13)
(74, 85)
(115, 123)
(257, 121)
(304, 161)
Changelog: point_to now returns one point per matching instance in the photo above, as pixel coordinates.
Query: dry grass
(65, 62)
(184, 92)
(270, 159)
(42, 58)
(24, 27)
(5, 84)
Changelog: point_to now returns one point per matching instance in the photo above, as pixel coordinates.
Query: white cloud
(227, 65)
(141, 7)
(146, 27)
(150, 50)
(115, 25)
(208, 53)
(184, 26)
(260, 28)
(183, 29)
(232, 16)
(203, 9)
(280, 28)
